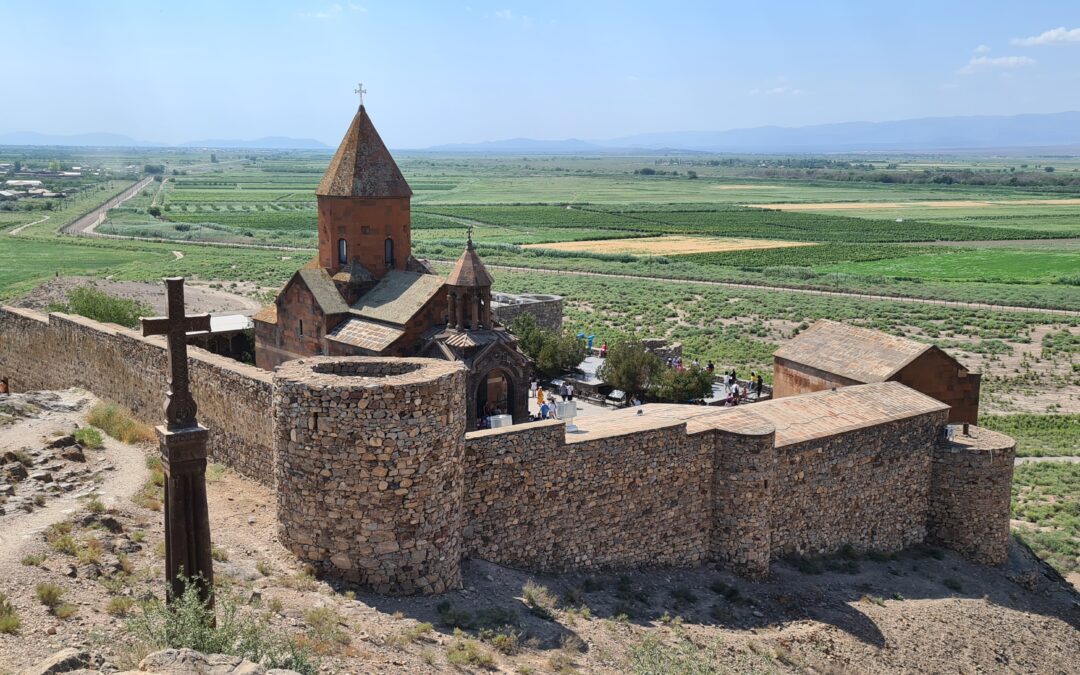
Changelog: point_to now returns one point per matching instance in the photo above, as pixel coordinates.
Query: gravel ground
(923, 610)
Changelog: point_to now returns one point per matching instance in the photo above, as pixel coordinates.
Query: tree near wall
(552, 353)
(630, 367)
(681, 386)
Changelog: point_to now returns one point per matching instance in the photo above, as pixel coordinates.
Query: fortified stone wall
(533, 500)
(970, 490)
(866, 488)
(370, 469)
(378, 483)
(60, 351)
(546, 309)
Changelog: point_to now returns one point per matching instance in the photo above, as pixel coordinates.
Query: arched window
(388, 252)
(342, 252)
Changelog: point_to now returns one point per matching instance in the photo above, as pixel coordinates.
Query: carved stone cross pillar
(183, 456)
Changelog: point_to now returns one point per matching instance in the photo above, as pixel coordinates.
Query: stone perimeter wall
(58, 351)
(533, 501)
(525, 496)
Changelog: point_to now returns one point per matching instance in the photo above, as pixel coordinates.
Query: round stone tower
(370, 472)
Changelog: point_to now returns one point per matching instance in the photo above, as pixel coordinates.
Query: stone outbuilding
(831, 354)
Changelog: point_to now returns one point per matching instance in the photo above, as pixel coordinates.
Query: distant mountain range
(1049, 130)
(928, 133)
(120, 141)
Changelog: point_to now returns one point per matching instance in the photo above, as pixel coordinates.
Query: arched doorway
(494, 394)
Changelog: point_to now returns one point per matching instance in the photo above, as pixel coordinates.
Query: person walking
(540, 396)
(532, 389)
(544, 411)
(569, 391)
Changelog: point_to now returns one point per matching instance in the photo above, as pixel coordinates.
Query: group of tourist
(546, 400)
(737, 393)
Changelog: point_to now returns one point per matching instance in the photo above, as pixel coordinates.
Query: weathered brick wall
(970, 493)
(370, 469)
(867, 488)
(792, 379)
(60, 351)
(534, 501)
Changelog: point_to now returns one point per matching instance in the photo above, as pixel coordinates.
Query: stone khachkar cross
(183, 455)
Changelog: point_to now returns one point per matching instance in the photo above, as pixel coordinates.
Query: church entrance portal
(494, 395)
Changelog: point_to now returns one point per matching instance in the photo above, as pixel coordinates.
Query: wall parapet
(59, 351)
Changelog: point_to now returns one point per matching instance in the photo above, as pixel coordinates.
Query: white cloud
(508, 15)
(978, 63)
(1050, 37)
(777, 91)
(982, 49)
(333, 11)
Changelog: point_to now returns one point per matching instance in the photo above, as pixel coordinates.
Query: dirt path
(789, 289)
(124, 468)
(17, 230)
(1035, 460)
(88, 223)
(200, 297)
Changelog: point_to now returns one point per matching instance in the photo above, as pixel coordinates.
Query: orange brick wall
(791, 379)
(365, 225)
(280, 342)
(938, 376)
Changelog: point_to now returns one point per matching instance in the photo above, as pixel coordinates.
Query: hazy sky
(441, 72)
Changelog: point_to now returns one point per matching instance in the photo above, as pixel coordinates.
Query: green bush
(552, 353)
(119, 423)
(100, 306)
(89, 437)
(189, 622)
(630, 367)
(9, 618)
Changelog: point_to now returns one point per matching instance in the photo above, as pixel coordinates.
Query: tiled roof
(795, 418)
(267, 314)
(859, 354)
(469, 270)
(354, 273)
(365, 334)
(398, 297)
(323, 289)
(362, 166)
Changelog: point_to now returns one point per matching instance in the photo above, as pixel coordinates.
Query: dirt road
(87, 223)
(788, 289)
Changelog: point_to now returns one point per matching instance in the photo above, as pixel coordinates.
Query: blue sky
(441, 72)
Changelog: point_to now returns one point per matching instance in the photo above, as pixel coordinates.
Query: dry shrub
(119, 423)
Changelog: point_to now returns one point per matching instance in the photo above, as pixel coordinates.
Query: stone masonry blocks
(970, 493)
(370, 469)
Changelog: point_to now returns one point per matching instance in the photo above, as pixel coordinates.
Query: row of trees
(629, 365)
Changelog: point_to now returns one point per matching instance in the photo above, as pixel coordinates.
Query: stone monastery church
(366, 295)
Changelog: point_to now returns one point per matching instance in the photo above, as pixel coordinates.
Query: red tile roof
(859, 354)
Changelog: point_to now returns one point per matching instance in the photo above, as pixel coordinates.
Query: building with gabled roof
(830, 354)
(365, 294)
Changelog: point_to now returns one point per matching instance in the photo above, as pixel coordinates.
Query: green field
(1005, 253)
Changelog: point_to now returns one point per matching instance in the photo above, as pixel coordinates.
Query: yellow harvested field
(668, 245)
(953, 204)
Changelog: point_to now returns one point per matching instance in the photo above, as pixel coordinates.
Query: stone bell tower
(468, 293)
(363, 203)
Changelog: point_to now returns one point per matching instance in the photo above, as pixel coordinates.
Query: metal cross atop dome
(360, 90)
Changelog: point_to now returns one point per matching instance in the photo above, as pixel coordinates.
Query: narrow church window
(388, 252)
(342, 251)
(301, 327)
